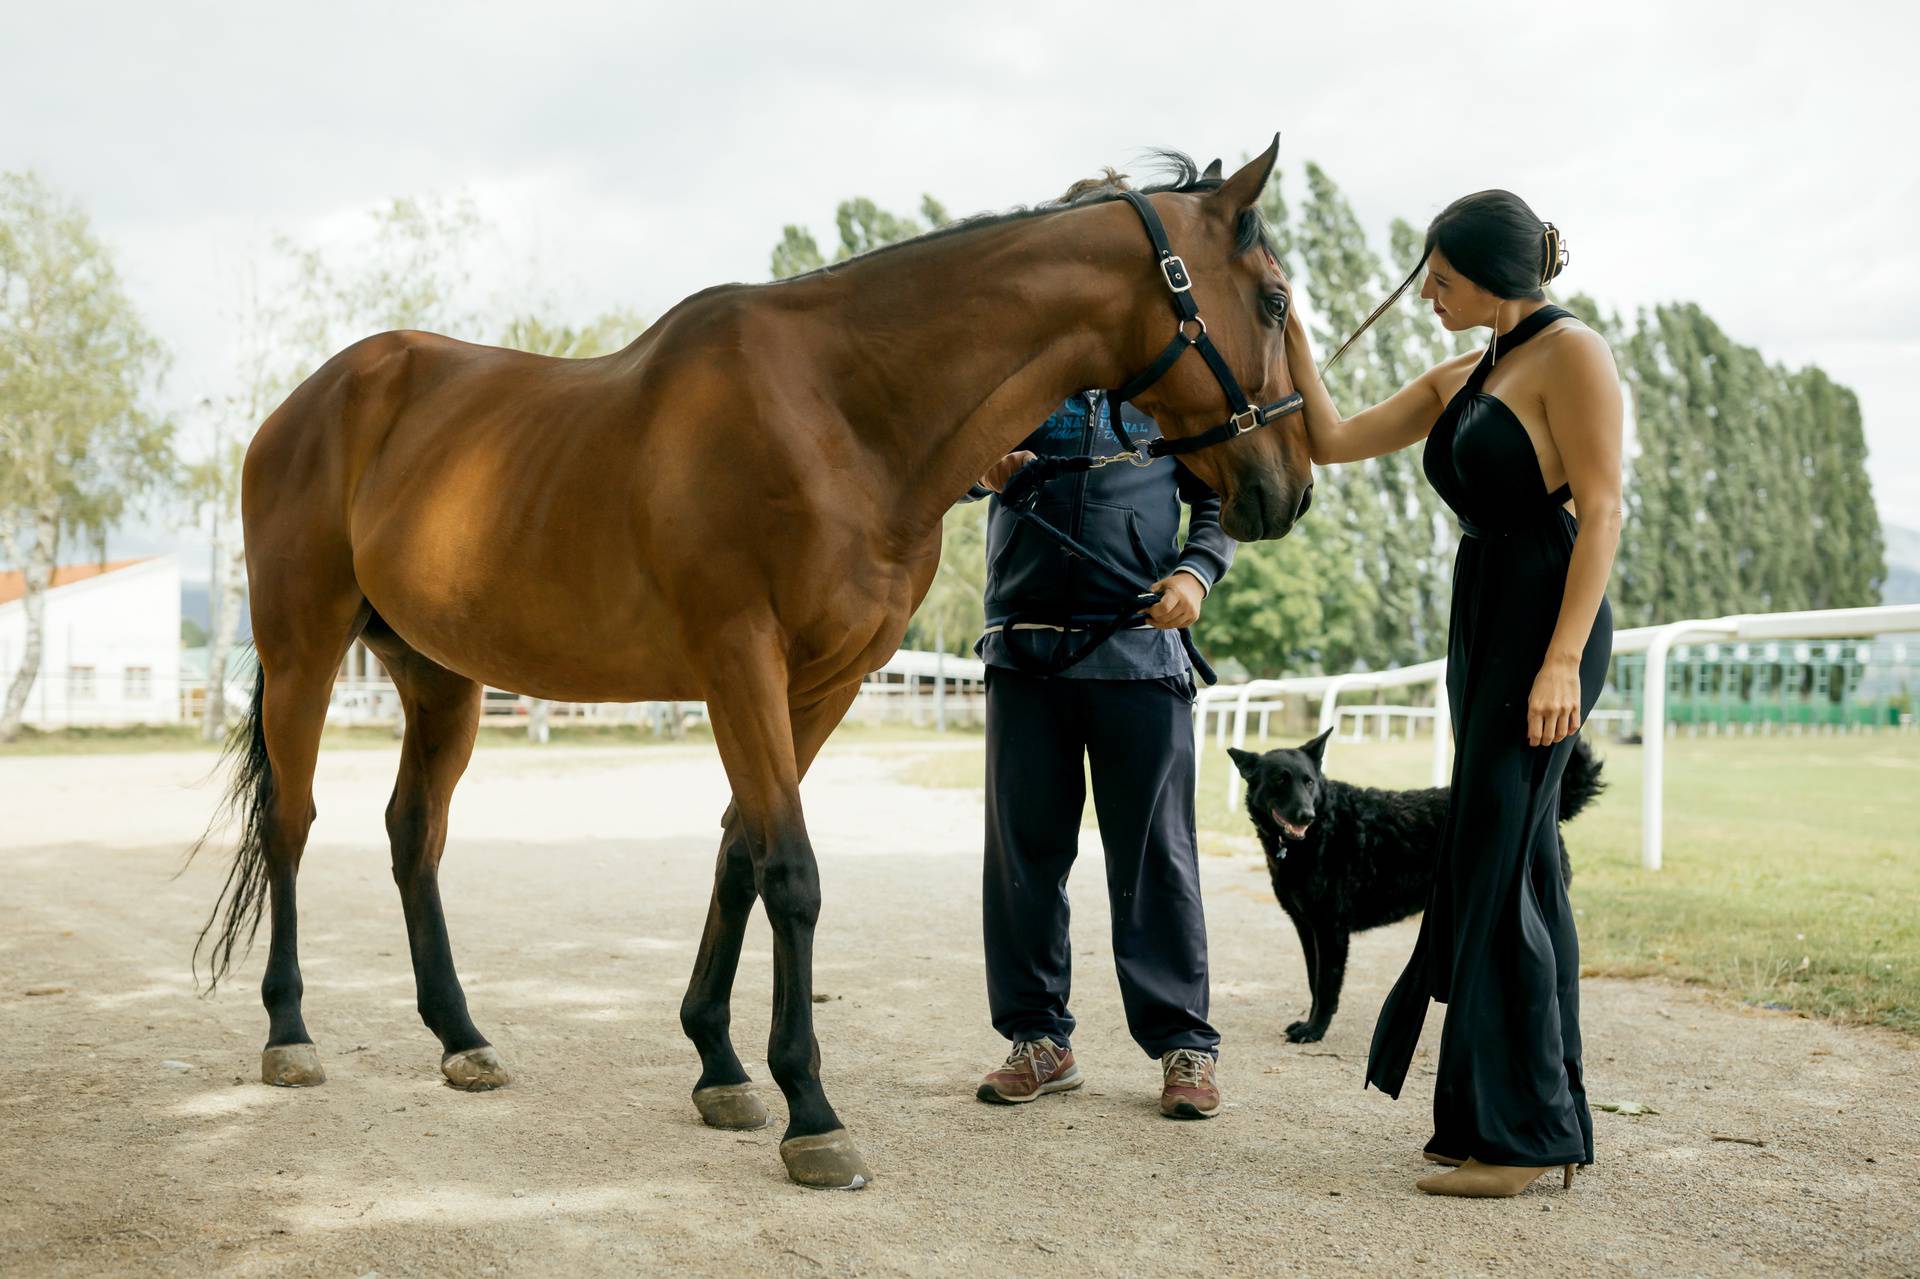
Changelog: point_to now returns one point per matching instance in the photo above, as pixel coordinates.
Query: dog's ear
(1317, 748)
(1246, 761)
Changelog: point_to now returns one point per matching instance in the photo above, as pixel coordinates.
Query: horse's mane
(1178, 174)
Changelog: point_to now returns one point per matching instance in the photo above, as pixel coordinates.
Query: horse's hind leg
(443, 715)
(297, 681)
(723, 1094)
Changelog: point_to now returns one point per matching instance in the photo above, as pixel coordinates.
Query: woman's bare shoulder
(1451, 374)
(1571, 345)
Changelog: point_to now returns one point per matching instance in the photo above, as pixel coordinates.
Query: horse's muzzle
(1262, 512)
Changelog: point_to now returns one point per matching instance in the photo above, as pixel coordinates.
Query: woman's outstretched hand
(1553, 708)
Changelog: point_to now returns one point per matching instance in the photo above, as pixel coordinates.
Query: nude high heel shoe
(1475, 1180)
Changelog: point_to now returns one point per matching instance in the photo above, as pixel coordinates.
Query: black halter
(1021, 493)
(1244, 416)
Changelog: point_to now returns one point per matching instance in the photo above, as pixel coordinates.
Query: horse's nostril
(1306, 500)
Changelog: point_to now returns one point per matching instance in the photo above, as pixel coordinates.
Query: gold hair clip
(1557, 256)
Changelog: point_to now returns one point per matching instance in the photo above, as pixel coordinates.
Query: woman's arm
(1584, 416)
(1404, 418)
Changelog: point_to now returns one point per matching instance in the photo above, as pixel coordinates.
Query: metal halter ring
(1194, 320)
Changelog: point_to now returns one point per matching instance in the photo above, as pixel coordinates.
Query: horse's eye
(1277, 306)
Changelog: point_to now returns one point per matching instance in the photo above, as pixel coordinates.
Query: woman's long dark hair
(1491, 238)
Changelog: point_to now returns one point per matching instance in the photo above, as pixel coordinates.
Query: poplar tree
(1745, 485)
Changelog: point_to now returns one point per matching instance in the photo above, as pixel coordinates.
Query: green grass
(1792, 864)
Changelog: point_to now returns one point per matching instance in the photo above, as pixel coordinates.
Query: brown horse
(744, 507)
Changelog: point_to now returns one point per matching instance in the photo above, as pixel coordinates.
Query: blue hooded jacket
(1130, 515)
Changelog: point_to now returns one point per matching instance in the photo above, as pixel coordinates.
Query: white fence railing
(926, 689)
(1230, 706)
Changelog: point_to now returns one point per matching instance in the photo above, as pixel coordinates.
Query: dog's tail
(1581, 780)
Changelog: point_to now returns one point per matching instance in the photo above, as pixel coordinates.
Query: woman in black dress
(1511, 435)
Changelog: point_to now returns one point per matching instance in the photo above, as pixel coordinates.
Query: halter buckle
(1175, 269)
(1253, 419)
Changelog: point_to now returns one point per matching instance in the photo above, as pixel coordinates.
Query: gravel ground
(136, 1138)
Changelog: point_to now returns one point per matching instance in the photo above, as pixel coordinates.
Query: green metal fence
(1812, 683)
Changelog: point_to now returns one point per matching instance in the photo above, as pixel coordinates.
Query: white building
(112, 644)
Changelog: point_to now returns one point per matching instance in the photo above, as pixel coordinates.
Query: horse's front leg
(752, 725)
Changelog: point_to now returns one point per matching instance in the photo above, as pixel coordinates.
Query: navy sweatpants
(1136, 736)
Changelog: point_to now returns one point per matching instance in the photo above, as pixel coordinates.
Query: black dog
(1348, 858)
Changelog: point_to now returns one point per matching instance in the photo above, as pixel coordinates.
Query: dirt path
(135, 1138)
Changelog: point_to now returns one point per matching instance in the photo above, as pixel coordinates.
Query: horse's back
(479, 494)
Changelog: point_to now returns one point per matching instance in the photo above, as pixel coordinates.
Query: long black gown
(1497, 944)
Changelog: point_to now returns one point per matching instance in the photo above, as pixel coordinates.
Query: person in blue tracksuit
(1124, 713)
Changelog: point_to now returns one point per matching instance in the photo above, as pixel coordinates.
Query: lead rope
(1020, 495)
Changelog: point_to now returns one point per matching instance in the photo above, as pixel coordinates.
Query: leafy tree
(796, 254)
(1380, 512)
(1853, 566)
(408, 270)
(863, 226)
(77, 440)
(600, 336)
(954, 611)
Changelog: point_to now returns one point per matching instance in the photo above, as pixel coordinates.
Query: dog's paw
(1305, 1032)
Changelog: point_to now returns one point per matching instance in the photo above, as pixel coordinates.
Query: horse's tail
(249, 798)
(1581, 780)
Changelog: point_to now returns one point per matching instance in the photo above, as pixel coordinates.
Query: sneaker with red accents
(1034, 1068)
(1188, 1091)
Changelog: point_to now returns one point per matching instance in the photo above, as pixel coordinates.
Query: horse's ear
(1242, 190)
(1212, 170)
(1245, 761)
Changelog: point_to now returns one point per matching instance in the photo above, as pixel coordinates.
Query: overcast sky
(1752, 157)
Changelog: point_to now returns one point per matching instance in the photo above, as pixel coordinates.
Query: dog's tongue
(1295, 831)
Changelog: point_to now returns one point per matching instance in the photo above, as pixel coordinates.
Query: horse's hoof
(730, 1106)
(476, 1070)
(825, 1161)
(291, 1066)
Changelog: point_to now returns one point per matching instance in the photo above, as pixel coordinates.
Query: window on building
(137, 684)
(80, 683)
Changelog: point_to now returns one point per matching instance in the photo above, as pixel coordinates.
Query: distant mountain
(1903, 565)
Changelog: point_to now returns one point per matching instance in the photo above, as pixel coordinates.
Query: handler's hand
(1553, 708)
(1000, 472)
(1179, 605)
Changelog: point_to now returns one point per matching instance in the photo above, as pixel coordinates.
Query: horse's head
(1264, 477)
